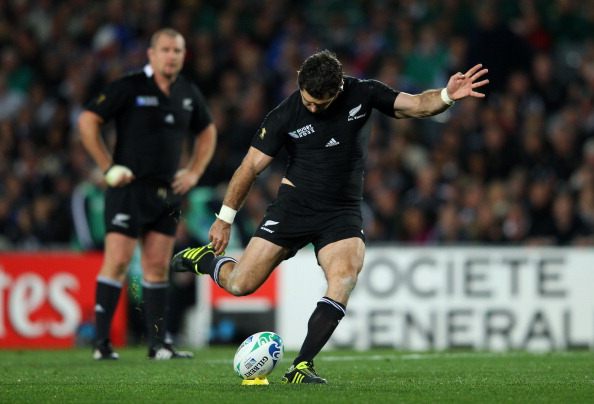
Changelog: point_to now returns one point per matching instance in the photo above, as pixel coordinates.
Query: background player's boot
(188, 260)
(104, 351)
(167, 351)
(303, 372)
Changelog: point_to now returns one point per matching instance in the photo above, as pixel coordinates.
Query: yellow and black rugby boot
(303, 372)
(188, 260)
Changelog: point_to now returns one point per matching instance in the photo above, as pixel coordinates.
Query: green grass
(379, 376)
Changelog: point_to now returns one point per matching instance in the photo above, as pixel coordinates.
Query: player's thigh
(258, 261)
(342, 260)
(119, 250)
(157, 249)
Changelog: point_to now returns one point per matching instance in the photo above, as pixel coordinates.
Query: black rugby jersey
(151, 126)
(327, 150)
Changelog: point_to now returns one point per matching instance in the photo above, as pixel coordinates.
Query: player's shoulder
(187, 87)
(129, 81)
(134, 76)
(356, 83)
(288, 105)
(186, 82)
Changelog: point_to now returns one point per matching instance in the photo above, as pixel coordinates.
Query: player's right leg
(119, 250)
(239, 278)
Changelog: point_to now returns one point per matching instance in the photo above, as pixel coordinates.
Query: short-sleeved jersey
(327, 150)
(151, 126)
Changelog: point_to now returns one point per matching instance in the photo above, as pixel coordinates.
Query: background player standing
(154, 110)
(325, 127)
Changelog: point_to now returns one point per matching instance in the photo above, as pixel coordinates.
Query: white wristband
(445, 98)
(227, 214)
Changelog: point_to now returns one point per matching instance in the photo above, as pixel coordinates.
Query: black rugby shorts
(294, 220)
(140, 207)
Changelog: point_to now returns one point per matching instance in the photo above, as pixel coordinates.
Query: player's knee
(344, 282)
(156, 266)
(238, 290)
(348, 283)
(238, 287)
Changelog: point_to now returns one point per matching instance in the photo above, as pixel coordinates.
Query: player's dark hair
(321, 75)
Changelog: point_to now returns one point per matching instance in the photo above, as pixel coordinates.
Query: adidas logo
(170, 119)
(332, 142)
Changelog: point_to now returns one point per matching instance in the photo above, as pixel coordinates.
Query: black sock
(216, 265)
(155, 307)
(206, 266)
(107, 294)
(320, 327)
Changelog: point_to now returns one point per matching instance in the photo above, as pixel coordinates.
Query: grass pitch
(378, 376)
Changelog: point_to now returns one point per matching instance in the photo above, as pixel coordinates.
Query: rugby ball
(258, 355)
(115, 172)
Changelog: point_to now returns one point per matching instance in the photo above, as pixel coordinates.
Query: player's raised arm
(433, 102)
(252, 165)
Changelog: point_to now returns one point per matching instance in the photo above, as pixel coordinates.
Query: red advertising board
(46, 297)
(266, 296)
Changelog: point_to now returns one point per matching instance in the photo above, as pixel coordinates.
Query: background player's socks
(155, 306)
(107, 295)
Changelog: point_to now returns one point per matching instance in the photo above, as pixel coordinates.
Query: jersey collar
(148, 70)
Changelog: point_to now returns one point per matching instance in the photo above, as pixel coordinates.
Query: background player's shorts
(293, 220)
(142, 206)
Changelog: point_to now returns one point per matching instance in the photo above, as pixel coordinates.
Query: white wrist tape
(445, 98)
(227, 214)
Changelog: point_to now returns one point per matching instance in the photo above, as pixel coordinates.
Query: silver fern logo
(353, 113)
(267, 224)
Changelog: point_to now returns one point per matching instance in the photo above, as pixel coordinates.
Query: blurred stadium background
(514, 170)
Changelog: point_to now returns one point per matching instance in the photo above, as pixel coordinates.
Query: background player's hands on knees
(183, 181)
(219, 235)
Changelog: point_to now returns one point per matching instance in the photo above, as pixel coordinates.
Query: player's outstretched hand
(463, 85)
(219, 235)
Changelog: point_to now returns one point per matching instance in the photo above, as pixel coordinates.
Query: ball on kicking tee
(258, 355)
(115, 172)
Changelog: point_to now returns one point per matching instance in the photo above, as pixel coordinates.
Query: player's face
(314, 105)
(167, 55)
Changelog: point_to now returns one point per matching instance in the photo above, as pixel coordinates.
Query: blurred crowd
(514, 168)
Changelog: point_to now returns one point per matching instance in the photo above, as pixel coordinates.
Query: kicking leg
(239, 278)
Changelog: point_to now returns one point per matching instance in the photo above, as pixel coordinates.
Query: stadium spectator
(56, 54)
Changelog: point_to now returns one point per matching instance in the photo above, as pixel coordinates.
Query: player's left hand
(463, 85)
(183, 181)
